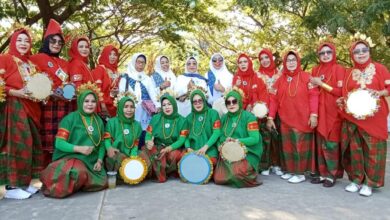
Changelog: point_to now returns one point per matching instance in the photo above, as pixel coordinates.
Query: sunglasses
(231, 102)
(197, 101)
(54, 41)
(215, 60)
(291, 60)
(328, 52)
(362, 50)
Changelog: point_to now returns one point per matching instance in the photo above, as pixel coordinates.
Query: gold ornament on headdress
(124, 94)
(18, 26)
(326, 39)
(193, 88)
(290, 49)
(269, 47)
(234, 88)
(362, 37)
(166, 91)
(2, 90)
(90, 86)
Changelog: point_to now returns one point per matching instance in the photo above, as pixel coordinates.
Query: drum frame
(122, 170)
(207, 179)
(372, 113)
(51, 90)
(260, 102)
(242, 145)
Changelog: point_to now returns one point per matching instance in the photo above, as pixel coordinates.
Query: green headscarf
(237, 96)
(119, 111)
(201, 94)
(80, 101)
(172, 100)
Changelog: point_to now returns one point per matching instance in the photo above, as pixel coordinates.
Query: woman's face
(83, 48)
(89, 104)
(140, 64)
(164, 62)
(112, 57)
(55, 44)
(129, 109)
(265, 60)
(197, 102)
(326, 54)
(192, 66)
(232, 104)
(217, 61)
(243, 64)
(291, 62)
(22, 44)
(361, 53)
(167, 107)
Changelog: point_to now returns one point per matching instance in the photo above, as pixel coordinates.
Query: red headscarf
(104, 58)
(355, 64)
(270, 70)
(74, 53)
(249, 71)
(12, 45)
(297, 70)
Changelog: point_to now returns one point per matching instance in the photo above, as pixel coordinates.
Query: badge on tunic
(289, 79)
(61, 75)
(200, 118)
(90, 129)
(322, 77)
(234, 124)
(126, 131)
(167, 125)
(245, 83)
(50, 64)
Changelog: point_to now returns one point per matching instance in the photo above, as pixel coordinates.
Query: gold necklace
(132, 135)
(163, 128)
(234, 127)
(193, 124)
(90, 131)
(296, 86)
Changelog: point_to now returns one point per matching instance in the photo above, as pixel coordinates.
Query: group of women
(69, 145)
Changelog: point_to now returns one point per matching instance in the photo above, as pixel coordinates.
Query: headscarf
(197, 64)
(172, 100)
(249, 71)
(356, 64)
(270, 70)
(297, 70)
(132, 71)
(237, 96)
(12, 45)
(223, 75)
(74, 53)
(158, 69)
(46, 46)
(119, 111)
(105, 60)
(80, 101)
(202, 95)
(327, 67)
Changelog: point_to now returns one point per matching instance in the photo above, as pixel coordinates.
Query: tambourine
(233, 151)
(362, 103)
(133, 170)
(220, 107)
(39, 87)
(260, 109)
(196, 169)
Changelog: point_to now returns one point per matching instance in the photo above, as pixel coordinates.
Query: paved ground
(275, 199)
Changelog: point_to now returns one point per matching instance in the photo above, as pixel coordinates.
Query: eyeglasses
(291, 60)
(197, 101)
(231, 102)
(219, 60)
(328, 52)
(362, 50)
(54, 41)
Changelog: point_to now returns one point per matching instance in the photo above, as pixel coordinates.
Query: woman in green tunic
(122, 133)
(165, 136)
(79, 151)
(239, 125)
(204, 126)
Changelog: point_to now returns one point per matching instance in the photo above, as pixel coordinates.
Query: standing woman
(296, 102)
(364, 140)
(267, 76)
(56, 107)
(185, 82)
(204, 126)
(20, 144)
(163, 77)
(239, 125)
(165, 136)
(107, 70)
(219, 78)
(329, 76)
(79, 150)
(246, 80)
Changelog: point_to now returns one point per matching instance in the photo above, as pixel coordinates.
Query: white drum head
(134, 169)
(233, 151)
(260, 110)
(40, 86)
(361, 103)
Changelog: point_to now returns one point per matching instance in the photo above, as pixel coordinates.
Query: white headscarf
(222, 74)
(185, 67)
(132, 71)
(158, 69)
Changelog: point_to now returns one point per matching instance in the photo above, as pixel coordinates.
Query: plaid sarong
(237, 174)
(328, 157)
(272, 148)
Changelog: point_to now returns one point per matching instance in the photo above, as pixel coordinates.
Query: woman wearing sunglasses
(364, 140)
(329, 76)
(296, 102)
(239, 125)
(219, 78)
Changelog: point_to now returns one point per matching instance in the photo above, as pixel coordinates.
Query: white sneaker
(32, 190)
(265, 172)
(352, 187)
(286, 176)
(297, 179)
(16, 194)
(365, 191)
(277, 170)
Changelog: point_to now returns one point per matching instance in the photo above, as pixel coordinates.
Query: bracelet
(327, 87)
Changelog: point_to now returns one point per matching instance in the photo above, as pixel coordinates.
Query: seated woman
(79, 150)
(122, 132)
(204, 126)
(239, 125)
(165, 136)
